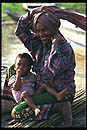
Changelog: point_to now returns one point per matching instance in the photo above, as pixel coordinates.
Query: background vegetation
(78, 7)
(17, 8)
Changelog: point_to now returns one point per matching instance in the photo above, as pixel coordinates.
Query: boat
(13, 15)
(6, 95)
(54, 121)
(78, 112)
(73, 33)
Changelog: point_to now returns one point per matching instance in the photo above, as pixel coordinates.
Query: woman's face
(43, 33)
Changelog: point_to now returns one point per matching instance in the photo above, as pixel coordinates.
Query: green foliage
(78, 7)
(15, 7)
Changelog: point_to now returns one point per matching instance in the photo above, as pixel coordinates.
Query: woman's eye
(26, 65)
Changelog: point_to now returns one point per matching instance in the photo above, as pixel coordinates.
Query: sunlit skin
(22, 66)
(46, 36)
(43, 33)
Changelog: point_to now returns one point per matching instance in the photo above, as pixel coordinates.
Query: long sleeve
(23, 32)
(61, 58)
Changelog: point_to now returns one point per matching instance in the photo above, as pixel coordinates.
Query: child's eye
(18, 64)
(26, 65)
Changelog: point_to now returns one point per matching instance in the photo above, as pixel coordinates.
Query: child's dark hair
(26, 56)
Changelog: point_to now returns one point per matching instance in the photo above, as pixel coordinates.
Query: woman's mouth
(44, 38)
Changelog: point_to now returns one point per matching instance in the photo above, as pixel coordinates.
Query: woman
(54, 57)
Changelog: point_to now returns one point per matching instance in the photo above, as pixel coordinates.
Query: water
(11, 46)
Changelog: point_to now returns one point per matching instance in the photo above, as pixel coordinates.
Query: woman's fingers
(47, 9)
(42, 9)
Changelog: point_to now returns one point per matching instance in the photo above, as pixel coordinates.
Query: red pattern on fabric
(44, 111)
(7, 92)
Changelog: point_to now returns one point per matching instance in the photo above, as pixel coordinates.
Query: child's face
(22, 65)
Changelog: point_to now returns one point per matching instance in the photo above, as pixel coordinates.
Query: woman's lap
(44, 98)
(44, 101)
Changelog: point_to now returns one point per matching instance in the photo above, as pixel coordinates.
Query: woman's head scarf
(52, 20)
(48, 20)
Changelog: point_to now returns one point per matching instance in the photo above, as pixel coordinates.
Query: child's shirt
(27, 84)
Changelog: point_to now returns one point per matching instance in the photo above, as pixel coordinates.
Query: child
(23, 83)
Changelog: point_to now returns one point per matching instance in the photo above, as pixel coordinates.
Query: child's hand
(37, 111)
(19, 72)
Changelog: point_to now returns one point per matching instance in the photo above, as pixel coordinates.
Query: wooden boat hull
(78, 113)
(6, 106)
(78, 106)
(13, 15)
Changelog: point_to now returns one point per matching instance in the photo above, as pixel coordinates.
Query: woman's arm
(23, 29)
(28, 38)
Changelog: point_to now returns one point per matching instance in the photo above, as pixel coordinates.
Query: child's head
(24, 62)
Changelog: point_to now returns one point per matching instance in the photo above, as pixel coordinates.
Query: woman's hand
(42, 9)
(38, 10)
